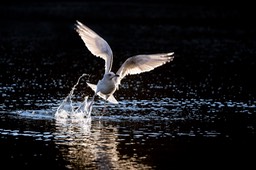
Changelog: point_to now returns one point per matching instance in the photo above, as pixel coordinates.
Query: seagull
(110, 82)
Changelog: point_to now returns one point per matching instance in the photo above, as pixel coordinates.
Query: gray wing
(143, 63)
(95, 44)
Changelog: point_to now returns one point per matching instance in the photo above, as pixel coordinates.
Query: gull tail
(111, 98)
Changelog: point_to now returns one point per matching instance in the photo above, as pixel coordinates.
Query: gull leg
(104, 109)
(105, 106)
(92, 101)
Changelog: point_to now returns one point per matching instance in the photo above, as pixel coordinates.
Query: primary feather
(95, 44)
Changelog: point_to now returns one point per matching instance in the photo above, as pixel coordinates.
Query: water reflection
(143, 134)
(91, 144)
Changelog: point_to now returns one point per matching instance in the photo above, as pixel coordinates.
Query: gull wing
(143, 63)
(95, 44)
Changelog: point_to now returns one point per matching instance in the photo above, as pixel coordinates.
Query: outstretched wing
(95, 44)
(143, 63)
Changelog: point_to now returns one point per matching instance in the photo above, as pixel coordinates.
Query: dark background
(41, 57)
(214, 43)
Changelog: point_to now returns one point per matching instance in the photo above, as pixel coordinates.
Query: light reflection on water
(38, 67)
(92, 145)
(129, 134)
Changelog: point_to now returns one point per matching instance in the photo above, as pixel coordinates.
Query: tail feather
(93, 86)
(110, 99)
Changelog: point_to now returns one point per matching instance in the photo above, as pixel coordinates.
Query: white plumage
(133, 65)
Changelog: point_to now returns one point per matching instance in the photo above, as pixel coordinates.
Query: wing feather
(143, 63)
(95, 44)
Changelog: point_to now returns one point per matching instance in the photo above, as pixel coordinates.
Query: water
(135, 134)
(198, 111)
(67, 109)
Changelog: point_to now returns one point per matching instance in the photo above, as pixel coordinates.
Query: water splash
(68, 110)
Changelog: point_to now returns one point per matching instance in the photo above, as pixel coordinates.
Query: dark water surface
(197, 111)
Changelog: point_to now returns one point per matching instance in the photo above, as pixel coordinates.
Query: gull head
(110, 76)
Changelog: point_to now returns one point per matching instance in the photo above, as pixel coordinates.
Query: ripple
(165, 108)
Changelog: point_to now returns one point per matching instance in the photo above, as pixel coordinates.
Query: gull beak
(116, 75)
